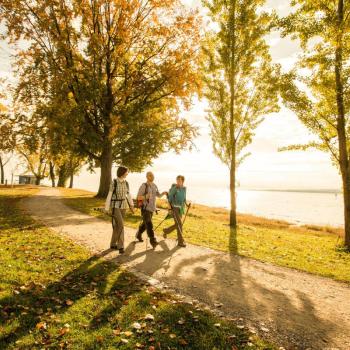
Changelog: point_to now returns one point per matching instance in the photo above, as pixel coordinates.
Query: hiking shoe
(139, 237)
(154, 244)
(121, 251)
(182, 245)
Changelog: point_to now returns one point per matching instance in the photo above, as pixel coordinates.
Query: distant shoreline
(330, 191)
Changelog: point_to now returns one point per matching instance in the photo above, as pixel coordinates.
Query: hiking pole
(188, 208)
(161, 222)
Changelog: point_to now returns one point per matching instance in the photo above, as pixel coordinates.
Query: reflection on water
(298, 207)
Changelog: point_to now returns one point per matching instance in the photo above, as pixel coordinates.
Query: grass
(308, 248)
(54, 295)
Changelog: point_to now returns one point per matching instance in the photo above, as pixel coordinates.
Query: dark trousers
(177, 225)
(146, 224)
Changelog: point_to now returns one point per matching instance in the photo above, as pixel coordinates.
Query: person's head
(150, 176)
(180, 180)
(122, 172)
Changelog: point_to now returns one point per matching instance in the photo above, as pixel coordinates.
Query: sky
(266, 168)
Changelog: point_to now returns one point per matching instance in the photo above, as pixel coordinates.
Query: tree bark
(232, 46)
(106, 170)
(341, 124)
(71, 180)
(233, 210)
(62, 176)
(2, 172)
(52, 175)
(37, 180)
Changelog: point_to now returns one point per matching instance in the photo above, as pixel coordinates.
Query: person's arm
(130, 201)
(171, 194)
(109, 197)
(159, 195)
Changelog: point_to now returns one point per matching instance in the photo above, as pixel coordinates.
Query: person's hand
(165, 193)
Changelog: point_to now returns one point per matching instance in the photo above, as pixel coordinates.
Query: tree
(128, 67)
(31, 136)
(6, 142)
(6, 137)
(240, 80)
(317, 90)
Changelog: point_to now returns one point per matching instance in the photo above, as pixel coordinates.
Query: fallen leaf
(125, 341)
(99, 339)
(217, 325)
(41, 325)
(172, 336)
(63, 331)
(183, 342)
(181, 321)
(69, 302)
(116, 331)
(128, 333)
(149, 317)
(136, 325)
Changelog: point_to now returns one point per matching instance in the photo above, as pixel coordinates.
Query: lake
(296, 207)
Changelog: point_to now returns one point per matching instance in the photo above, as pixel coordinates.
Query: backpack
(140, 202)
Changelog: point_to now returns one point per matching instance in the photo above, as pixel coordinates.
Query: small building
(25, 179)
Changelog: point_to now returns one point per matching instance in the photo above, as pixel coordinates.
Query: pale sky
(266, 167)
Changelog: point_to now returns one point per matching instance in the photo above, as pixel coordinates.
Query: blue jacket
(177, 196)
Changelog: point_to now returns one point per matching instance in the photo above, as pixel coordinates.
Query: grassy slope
(54, 295)
(310, 248)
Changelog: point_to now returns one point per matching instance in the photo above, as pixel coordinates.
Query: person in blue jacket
(177, 201)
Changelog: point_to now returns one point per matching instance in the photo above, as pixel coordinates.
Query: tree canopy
(126, 67)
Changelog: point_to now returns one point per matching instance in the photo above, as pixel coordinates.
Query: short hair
(122, 170)
(180, 177)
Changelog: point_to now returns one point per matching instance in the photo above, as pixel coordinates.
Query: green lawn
(309, 248)
(54, 295)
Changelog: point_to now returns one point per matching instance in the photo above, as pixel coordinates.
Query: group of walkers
(119, 200)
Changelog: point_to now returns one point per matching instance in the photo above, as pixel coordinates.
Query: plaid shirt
(121, 199)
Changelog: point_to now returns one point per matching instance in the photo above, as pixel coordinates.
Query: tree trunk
(71, 180)
(341, 124)
(2, 172)
(37, 180)
(233, 208)
(62, 176)
(106, 171)
(52, 175)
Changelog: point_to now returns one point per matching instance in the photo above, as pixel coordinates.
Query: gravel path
(294, 309)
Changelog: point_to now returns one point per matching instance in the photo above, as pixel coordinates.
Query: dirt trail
(296, 309)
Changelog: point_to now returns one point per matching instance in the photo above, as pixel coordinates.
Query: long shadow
(230, 281)
(90, 276)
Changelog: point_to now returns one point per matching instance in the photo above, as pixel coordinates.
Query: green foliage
(241, 83)
(125, 67)
(317, 90)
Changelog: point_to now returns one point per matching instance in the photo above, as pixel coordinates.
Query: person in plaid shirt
(117, 202)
